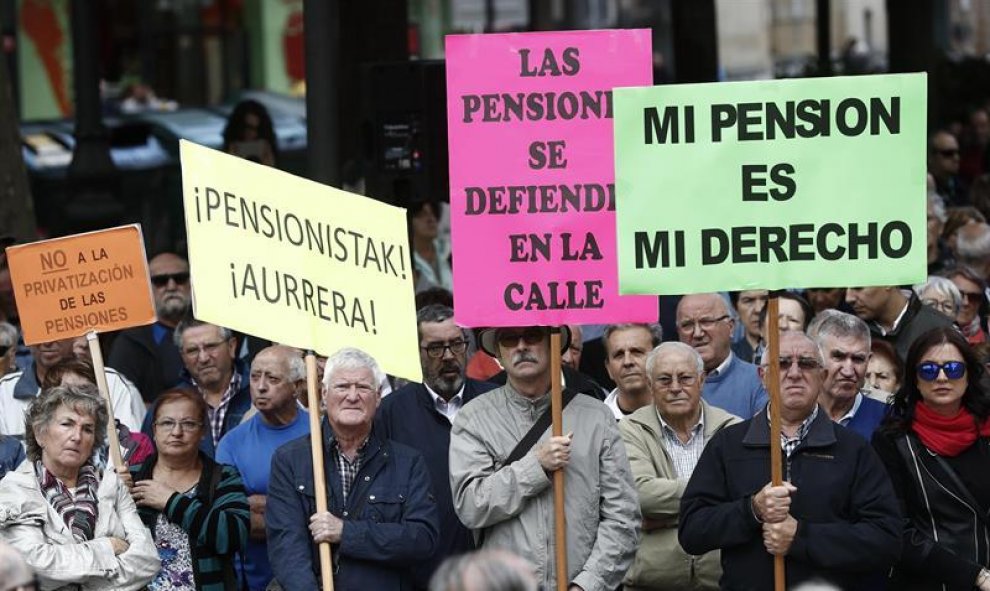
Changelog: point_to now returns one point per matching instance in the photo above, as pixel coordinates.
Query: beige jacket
(660, 562)
(30, 524)
(511, 506)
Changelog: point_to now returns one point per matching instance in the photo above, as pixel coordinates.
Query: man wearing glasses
(509, 501)
(146, 355)
(834, 518)
(732, 384)
(943, 164)
(208, 354)
(419, 415)
(664, 441)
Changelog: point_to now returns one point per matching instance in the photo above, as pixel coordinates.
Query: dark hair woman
(936, 447)
(195, 508)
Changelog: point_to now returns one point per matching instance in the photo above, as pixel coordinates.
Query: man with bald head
(147, 355)
(834, 518)
(732, 384)
(276, 372)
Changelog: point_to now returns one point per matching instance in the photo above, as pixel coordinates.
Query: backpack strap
(537, 430)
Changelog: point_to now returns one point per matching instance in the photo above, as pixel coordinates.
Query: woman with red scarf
(935, 444)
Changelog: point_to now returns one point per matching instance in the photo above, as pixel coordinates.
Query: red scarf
(947, 436)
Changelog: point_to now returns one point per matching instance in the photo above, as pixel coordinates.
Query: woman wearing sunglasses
(935, 444)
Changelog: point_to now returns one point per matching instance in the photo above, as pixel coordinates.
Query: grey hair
(352, 358)
(435, 313)
(484, 570)
(84, 399)
(655, 330)
(297, 368)
(973, 248)
(190, 322)
(815, 325)
(669, 347)
(8, 334)
(938, 206)
(941, 286)
(841, 324)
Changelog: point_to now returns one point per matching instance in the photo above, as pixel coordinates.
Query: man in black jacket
(835, 517)
(419, 415)
(895, 316)
(147, 355)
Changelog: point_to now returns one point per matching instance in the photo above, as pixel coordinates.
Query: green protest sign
(772, 184)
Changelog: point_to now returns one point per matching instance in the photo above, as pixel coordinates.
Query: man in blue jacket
(835, 517)
(844, 340)
(382, 516)
(419, 415)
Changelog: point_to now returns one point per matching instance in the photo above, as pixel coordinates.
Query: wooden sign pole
(319, 478)
(96, 353)
(557, 429)
(773, 388)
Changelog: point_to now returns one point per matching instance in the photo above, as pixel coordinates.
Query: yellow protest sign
(298, 262)
(67, 287)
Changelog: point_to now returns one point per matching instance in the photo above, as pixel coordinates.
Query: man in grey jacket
(511, 506)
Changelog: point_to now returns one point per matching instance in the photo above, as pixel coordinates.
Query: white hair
(673, 347)
(352, 358)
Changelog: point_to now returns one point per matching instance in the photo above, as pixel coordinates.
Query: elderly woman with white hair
(75, 524)
(941, 294)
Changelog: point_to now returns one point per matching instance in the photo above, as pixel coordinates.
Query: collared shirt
(721, 366)
(220, 412)
(897, 321)
(844, 420)
(348, 469)
(447, 408)
(684, 455)
(789, 444)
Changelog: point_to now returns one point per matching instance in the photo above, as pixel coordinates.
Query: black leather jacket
(947, 532)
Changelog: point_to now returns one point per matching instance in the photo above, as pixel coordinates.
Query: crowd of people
(447, 484)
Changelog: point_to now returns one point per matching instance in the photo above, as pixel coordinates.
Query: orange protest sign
(67, 287)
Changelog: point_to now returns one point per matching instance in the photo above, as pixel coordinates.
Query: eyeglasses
(4, 349)
(665, 381)
(436, 350)
(169, 425)
(803, 363)
(946, 307)
(208, 348)
(344, 388)
(948, 153)
(163, 279)
(705, 324)
(530, 336)
(929, 370)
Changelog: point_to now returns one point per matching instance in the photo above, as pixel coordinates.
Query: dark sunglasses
(5, 348)
(163, 279)
(948, 153)
(803, 363)
(530, 336)
(929, 370)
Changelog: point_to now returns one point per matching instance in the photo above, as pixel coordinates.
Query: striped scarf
(77, 510)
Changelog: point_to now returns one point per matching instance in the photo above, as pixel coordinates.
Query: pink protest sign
(532, 181)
